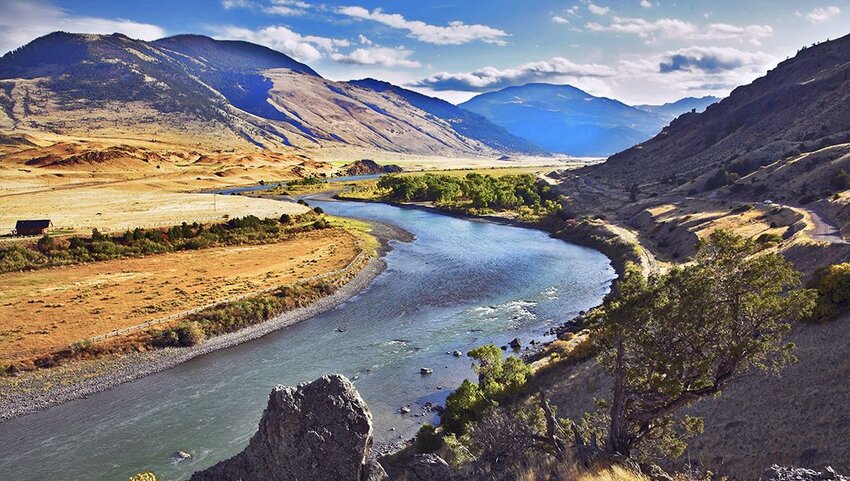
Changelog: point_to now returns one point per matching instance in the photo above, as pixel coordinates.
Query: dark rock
(516, 344)
(316, 431)
(368, 167)
(429, 467)
(425, 370)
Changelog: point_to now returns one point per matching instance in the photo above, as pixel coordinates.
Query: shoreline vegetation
(101, 365)
(518, 200)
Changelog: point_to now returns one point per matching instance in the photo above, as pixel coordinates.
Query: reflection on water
(460, 284)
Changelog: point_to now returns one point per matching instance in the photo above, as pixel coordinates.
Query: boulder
(313, 432)
(430, 467)
(515, 344)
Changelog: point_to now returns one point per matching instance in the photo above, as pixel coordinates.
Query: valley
(525, 277)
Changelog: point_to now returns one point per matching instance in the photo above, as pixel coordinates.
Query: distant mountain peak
(564, 118)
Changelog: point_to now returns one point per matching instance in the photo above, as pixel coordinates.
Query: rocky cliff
(314, 432)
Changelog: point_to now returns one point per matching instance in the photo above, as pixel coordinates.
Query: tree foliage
(675, 338)
(474, 190)
(497, 378)
(833, 288)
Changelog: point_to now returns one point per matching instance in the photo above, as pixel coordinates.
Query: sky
(637, 51)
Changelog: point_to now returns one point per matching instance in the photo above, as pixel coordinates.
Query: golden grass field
(47, 309)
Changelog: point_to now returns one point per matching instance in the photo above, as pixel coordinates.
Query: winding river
(460, 284)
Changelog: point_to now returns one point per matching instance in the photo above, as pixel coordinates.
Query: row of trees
(49, 251)
(474, 190)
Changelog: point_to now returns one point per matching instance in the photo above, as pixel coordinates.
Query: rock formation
(784, 473)
(368, 167)
(314, 432)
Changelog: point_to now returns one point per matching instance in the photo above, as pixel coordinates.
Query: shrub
(427, 439)
(285, 219)
(190, 334)
(833, 288)
(768, 239)
(741, 209)
(841, 180)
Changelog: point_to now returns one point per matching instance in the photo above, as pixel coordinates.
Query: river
(459, 285)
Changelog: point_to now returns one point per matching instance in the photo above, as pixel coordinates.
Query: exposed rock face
(368, 167)
(783, 473)
(318, 431)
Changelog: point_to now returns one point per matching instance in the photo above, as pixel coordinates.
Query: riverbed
(459, 285)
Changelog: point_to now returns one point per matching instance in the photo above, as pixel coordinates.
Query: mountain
(671, 110)
(464, 122)
(216, 95)
(799, 107)
(562, 118)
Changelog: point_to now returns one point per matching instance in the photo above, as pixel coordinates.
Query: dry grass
(48, 309)
(613, 473)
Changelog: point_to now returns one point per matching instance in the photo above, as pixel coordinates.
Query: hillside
(562, 118)
(671, 110)
(800, 106)
(196, 91)
(464, 122)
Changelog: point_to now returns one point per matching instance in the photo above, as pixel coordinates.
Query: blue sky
(638, 51)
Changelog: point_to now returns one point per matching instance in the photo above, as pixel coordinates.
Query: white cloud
(23, 21)
(560, 20)
(712, 60)
(389, 57)
(303, 48)
(671, 28)
(230, 4)
(645, 4)
(824, 14)
(364, 39)
(455, 33)
(663, 77)
(597, 10)
(491, 78)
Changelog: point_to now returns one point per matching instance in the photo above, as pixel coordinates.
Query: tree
(675, 338)
(497, 378)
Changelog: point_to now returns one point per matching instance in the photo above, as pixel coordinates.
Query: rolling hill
(563, 118)
(205, 93)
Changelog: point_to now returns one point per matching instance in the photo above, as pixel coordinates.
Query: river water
(459, 285)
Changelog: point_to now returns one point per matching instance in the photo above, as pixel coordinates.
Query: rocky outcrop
(784, 473)
(368, 167)
(430, 467)
(314, 432)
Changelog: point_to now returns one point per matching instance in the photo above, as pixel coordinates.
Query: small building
(33, 227)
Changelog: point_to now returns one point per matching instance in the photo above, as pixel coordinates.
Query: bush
(427, 439)
(833, 288)
(841, 180)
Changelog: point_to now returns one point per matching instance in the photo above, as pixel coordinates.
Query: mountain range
(223, 95)
(563, 118)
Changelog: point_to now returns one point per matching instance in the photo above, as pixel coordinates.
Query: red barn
(33, 227)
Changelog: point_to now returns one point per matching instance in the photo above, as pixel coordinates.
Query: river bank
(41, 389)
(617, 243)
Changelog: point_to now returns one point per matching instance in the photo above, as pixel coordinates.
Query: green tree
(675, 338)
